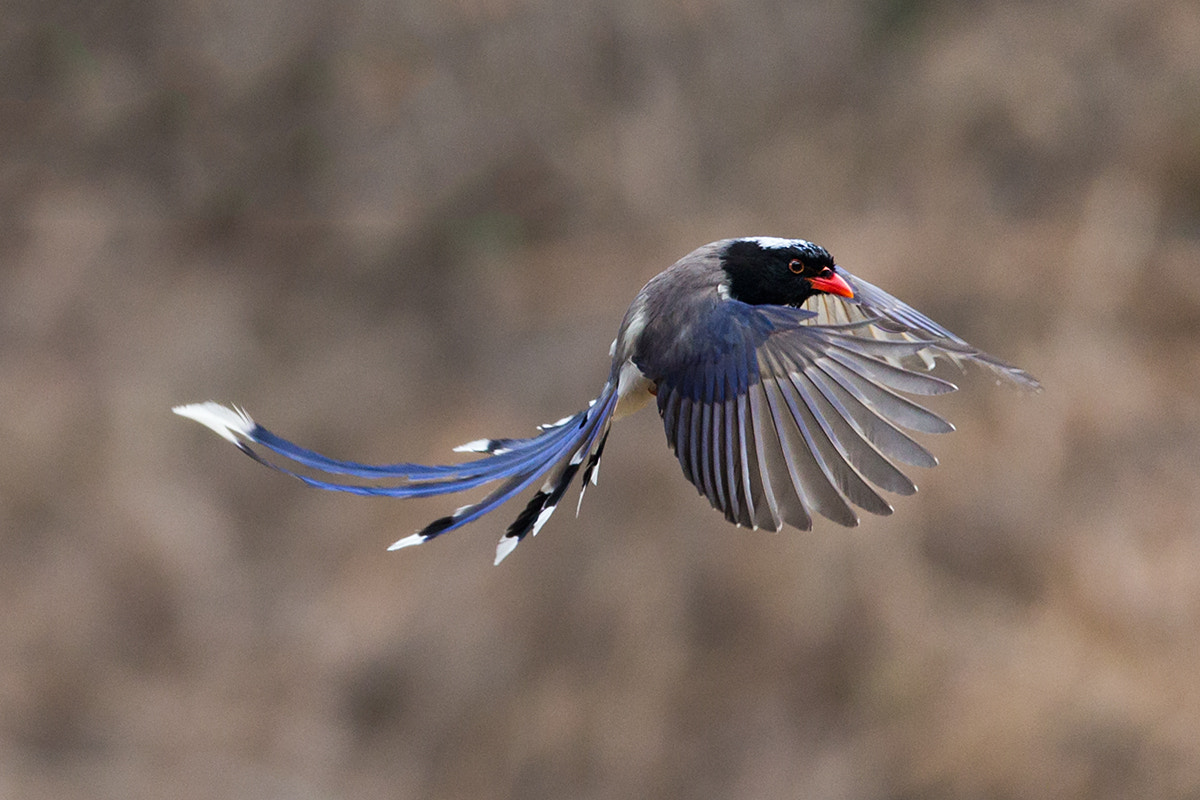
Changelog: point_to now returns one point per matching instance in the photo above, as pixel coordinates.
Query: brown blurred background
(391, 227)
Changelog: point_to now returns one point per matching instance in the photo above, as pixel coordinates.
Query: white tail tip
(506, 546)
(407, 541)
(225, 421)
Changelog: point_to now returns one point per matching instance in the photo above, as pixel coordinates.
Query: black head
(782, 272)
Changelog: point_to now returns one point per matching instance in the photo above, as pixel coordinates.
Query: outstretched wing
(896, 320)
(773, 418)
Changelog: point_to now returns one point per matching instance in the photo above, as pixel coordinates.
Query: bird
(780, 378)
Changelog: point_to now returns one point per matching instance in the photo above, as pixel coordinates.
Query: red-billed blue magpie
(776, 374)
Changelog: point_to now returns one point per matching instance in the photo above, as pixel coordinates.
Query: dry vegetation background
(391, 227)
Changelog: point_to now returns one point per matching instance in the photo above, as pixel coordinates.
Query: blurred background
(387, 228)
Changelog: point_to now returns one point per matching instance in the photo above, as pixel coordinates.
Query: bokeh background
(387, 228)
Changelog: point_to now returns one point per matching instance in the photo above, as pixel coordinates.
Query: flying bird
(778, 376)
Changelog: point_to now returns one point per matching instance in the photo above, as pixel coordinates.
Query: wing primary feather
(706, 442)
(803, 476)
(891, 350)
(882, 373)
(751, 490)
(683, 442)
(899, 410)
(875, 428)
(764, 451)
(814, 487)
(737, 508)
(715, 411)
(669, 409)
(842, 430)
(707, 472)
(695, 436)
(905, 318)
(819, 434)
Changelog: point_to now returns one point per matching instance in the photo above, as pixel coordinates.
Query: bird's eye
(796, 266)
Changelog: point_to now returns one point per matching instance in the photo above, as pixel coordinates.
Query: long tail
(557, 452)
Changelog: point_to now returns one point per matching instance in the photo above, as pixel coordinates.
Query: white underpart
(226, 422)
(634, 390)
(506, 546)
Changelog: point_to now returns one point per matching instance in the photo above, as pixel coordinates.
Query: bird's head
(784, 272)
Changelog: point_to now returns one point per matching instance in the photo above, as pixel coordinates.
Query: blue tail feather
(561, 448)
(531, 453)
(583, 438)
(516, 450)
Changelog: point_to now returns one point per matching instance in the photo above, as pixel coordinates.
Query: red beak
(834, 284)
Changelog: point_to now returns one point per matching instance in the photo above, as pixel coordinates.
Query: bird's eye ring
(796, 266)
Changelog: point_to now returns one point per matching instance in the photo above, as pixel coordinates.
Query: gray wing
(894, 319)
(773, 419)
